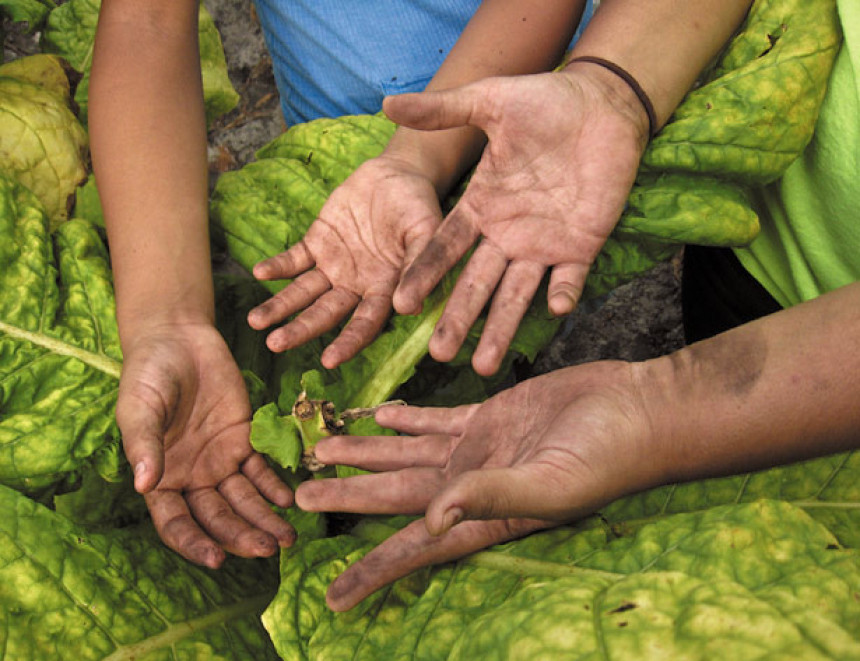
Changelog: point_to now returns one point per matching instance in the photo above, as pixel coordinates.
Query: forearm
(780, 389)
(148, 140)
(663, 44)
(503, 38)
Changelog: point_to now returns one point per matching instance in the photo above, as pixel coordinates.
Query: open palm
(548, 190)
(351, 258)
(552, 449)
(185, 420)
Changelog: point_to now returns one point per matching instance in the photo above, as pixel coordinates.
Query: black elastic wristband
(631, 82)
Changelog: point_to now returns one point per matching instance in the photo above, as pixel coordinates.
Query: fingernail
(561, 304)
(139, 473)
(265, 545)
(288, 539)
(451, 518)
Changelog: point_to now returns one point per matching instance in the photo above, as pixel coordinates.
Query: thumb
(142, 425)
(566, 283)
(496, 493)
(444, 109)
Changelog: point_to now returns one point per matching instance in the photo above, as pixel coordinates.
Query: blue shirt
(334, 58)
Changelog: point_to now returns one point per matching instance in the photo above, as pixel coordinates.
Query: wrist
(617, 93)
(663, 385)
(442, 157)
(146, 321)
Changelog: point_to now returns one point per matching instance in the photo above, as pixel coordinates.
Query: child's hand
(552, 449)
(551, 185)
(185, 420)
(351, 258)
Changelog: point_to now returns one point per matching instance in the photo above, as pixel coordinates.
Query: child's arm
(377, 221)
(182, 408)
(563, 154)
(148, 134)
(503, 38)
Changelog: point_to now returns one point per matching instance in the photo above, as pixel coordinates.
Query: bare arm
(562, 445)
(665, 45)
(372, 226)
(780, 389)
(148, 135)
(563, 153)
(503, 38)
(182, 406)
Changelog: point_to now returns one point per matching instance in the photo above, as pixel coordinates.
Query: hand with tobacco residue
(551, 184)
(552, 449)
(351, 259)
(559, 446)
(184, 414)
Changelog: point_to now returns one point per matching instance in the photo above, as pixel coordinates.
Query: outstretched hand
(552, 182)
(350, 259)
(550, 450)
(184, 415)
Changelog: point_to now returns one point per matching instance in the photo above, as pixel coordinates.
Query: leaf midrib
(97, 361)
(181, 630)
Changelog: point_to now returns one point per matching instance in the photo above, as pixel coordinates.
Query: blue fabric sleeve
(334, 58)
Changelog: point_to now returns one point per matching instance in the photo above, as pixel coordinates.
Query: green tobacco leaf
(42, 144)
(330, 149)
(219, 96)
(263, 208)
(828, 489)
(102, 505)
(46, 71)
(268, 205)
(750, 120)
(757, 111)
(235, 295)
(59, 348)
(67, 593)
(32, 12)
(751, 581)
(88, 204)
(277, 436)
(70, 33)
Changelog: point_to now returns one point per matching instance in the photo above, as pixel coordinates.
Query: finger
(510, 303)
(400, 492)
(214, 514)
(320, 317)
(499, 493)
(437, 110)
(247, 503)
(417, 236)
(454, 237)
(474, 288)
(266, 481)
(565, 288)
(366, 322)
(288, 264)
(141, 414)
(296, 296)
(385, 453)
(179, 531)
(419, 420)
(413, 548)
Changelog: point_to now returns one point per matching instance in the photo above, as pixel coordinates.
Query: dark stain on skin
(734, 360)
